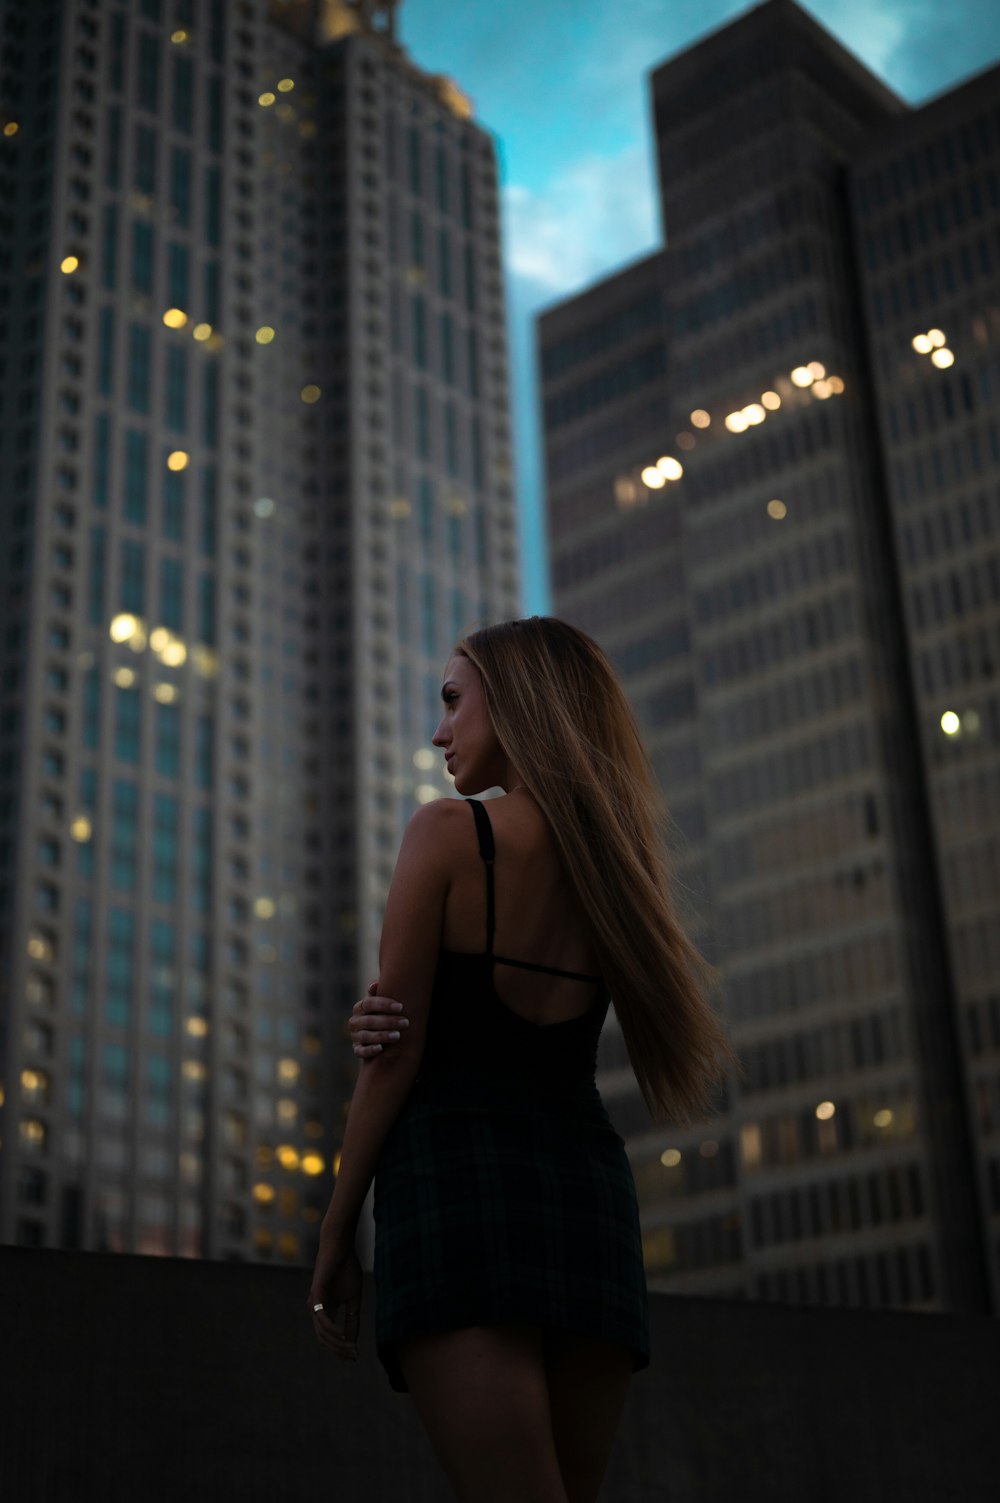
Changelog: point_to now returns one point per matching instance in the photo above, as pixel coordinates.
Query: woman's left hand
(336, 1287)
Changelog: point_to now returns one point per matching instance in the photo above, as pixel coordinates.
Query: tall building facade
(851, 1163)
(255, 479)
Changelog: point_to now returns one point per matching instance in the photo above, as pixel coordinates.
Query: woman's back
(538, 920)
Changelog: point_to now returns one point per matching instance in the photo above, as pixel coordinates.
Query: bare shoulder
(433, 829)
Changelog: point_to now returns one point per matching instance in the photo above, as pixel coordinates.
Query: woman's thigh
(482, 1396)
(587, 1381)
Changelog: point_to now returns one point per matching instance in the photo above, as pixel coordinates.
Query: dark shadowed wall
(154, 1380)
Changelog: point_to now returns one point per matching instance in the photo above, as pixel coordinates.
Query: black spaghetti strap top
(479, 1050)
(487, 849)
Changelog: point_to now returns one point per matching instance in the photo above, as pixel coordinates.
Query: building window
(128, 715)
(120, 979)
(132, 592)
(136, 462)
(139, 363)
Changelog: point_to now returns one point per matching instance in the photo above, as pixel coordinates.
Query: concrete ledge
(149, 1380)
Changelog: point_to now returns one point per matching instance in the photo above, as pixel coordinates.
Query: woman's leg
(482, 1397)
(587, 1381)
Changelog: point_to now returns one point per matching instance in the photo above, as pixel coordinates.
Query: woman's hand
(336, 1287)
(375, 1022)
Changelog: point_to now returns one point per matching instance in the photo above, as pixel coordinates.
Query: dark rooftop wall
(147, 1380)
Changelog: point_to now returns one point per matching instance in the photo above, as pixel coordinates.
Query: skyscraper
(255, 479)
(773, 671)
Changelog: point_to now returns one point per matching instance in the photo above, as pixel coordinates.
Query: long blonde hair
(563, 720)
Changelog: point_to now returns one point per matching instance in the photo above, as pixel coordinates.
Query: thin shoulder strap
(487, 849)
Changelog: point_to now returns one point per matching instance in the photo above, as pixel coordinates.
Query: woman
(508, 1262)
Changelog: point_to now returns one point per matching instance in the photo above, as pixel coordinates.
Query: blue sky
(562, 85)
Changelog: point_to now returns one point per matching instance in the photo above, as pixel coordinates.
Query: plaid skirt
(495, 1207)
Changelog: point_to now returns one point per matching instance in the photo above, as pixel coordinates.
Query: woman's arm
(408, 955)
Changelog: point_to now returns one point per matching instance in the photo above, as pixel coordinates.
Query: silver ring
(317, 1307)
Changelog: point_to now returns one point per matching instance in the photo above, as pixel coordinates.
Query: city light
(942, 358)
(285, 85)
(670, 468)
(264, 907)
(882, 1117)
(80, 829)
(777, 509)
(266, 99)
(425, 758)
(825, 1111)
(265, 334)
(921, 344)
(69, 264)
(178, 460)
(802, 376)
(670, 1157)
(287, 1156)
(770, 400)
(310, 394)
(123, 627)
(201, 332)
(313, 1163)
(653, 478)
(175, 318)
(736, 422)
(700, 418)
(950, 723)
(936, 337)
(263, 1193)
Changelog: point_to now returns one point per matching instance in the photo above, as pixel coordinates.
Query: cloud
(597, 214)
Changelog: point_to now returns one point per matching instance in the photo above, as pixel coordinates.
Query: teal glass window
(109, 246)
(180, 186)
(96, 575)
(113, 137)
(150, 9)
(106, 352)
(120, 978)
(175, 394)
(210, 405)
(206, 610)
(217, 18)
(172, 593)
(450, 439)
(143, 252)
(80, 957)
(201, 894)
(215, 112)
(139, 367)
(167, 739)
(136, 464)
(183, 94)
(128, 716)
(88, 788)
(213, 206)
(116, 1067)
(459, 622)
(173, 505)
(441, 179)
(102, 457)
(455, 538)
(444, 262)
(210, 277)
(470, 279)
(124, 833)
(203, 751)
(208, 534)
(479, 531)
(416, 238)
(92, 707)
(165, 835)
(465, 183)
(145, 159)
(425, 510)
(178, 276)
(133, 579)
(447, 340)
(472, 363)
(116, 65)
(476, 444)
(148, 93)
(423, 422)
(427, 602)
(413, 159)
(163, 947)
(418, 309)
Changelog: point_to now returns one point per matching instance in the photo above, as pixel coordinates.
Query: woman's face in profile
(473, 754)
